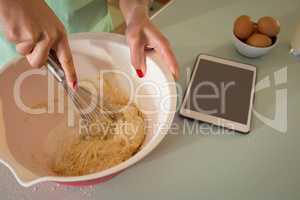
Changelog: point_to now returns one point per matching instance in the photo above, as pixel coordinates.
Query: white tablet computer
(220, 92)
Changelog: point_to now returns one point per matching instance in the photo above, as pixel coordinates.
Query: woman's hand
(34, 28)
(141, 35)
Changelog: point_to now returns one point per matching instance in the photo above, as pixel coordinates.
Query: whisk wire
(99, 108)
(85, 102)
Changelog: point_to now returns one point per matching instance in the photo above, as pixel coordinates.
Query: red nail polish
(74, 85)
(140, 73)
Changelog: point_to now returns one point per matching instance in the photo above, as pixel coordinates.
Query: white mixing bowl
(24, 137)
(251, 51)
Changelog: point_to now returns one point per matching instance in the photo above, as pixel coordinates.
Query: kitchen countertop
(197, 163)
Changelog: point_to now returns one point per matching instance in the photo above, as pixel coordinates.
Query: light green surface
(262, 165)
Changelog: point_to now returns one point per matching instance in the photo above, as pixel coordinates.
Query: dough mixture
(108, 143)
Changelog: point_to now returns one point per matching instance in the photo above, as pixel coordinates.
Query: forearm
(127, 6)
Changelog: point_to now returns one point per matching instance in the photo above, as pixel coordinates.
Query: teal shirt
(76, 15)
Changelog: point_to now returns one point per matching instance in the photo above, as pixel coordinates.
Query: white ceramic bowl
(251, 51)
(24, 137)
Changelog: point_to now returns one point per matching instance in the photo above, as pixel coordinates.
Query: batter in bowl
(109, 142)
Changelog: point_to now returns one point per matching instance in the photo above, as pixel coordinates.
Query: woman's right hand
(35, 30)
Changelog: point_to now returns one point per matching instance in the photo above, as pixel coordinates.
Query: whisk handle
(54, 67)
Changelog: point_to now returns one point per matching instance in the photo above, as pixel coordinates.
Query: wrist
(130, 7)
(141, 11)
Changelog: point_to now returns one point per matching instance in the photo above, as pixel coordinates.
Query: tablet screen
(221, 90)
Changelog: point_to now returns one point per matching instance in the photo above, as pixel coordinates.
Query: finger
(137, 54)
(169, 58)
(63, 53)
(162, 45)
(143, 59)
(17, 35)
(39, 55)
(25, 47)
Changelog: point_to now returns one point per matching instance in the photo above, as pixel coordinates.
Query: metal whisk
(86, 103)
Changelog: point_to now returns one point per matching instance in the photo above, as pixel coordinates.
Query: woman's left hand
(141, 36)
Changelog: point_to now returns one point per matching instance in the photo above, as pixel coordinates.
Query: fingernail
(140, 73)
(74, 85)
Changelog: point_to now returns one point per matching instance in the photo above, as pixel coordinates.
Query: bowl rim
(120, 39)
(253, 47)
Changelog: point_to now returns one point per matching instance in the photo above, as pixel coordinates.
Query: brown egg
(243, 27)
(269, 26)
(259, 40)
